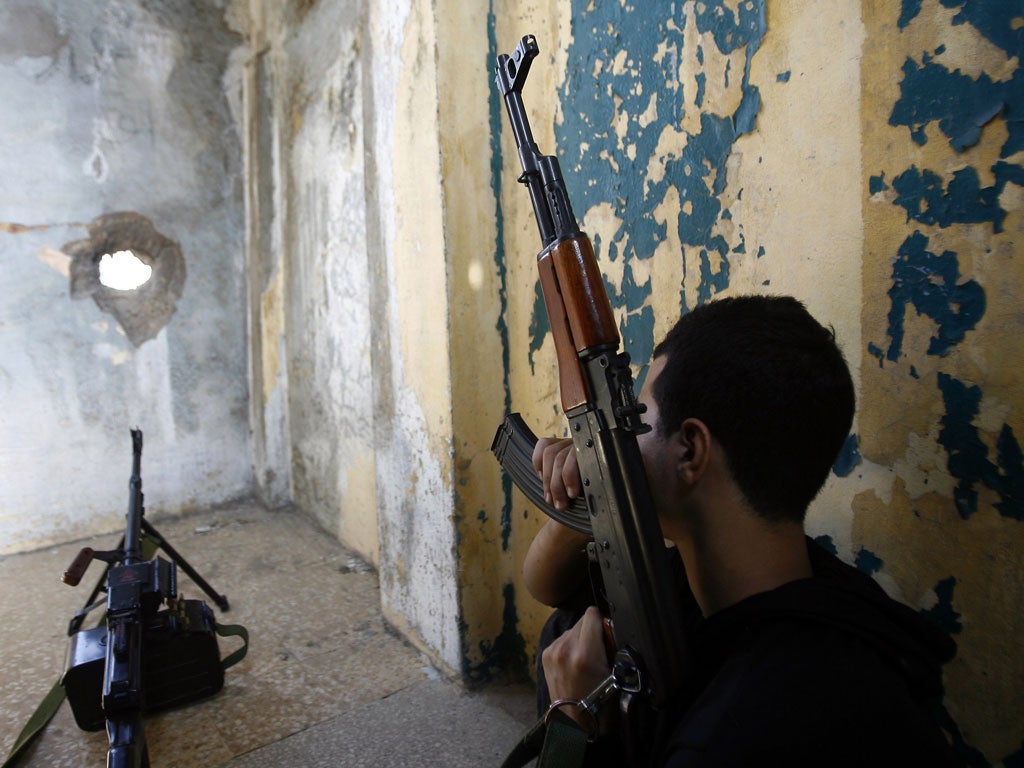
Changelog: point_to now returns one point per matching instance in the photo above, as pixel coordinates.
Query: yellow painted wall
(710, 148)
(952, 245)
(804, 200)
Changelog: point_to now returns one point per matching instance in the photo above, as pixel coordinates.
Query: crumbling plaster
(392, 311)
(352, 319)
(114, 107)
(864, 156)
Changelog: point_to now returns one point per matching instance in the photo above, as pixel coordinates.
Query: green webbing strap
(528, 747)
(564, 745)
(51, 702)
(559, 741)
(236, 630)
(44, 713)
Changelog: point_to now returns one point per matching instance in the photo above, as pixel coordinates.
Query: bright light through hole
(123, 271)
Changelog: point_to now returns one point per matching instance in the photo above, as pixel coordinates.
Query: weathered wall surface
(942, 396)
(313, 277)
(413, 429)
(865, 157)
(479, 341)
(348, 304)
(117, 107)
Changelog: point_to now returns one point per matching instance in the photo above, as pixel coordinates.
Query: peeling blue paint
(1011, 465)
(925, 199)
(599, 169)
(908, 12)
(701, 79)
(849, 457)
(540, 325)
(825, 542)
(637, 331)
(782, 77)
(942, 612)
(868, 562)
(968, 455)
(877, 352)
(712, 280)
(929, 283)
(961, 104)
(966, 110)
(998, 21)
(507, 653)
(497, 164)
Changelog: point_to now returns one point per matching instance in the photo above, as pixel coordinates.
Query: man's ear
(692, 444)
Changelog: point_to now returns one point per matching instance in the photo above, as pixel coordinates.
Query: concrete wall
(117, 107)
(348, 308)
(864, 156)
(714, 148)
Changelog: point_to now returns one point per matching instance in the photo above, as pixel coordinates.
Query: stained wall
(118, 108)
(361, 295)
(866, 158)
(348, 305)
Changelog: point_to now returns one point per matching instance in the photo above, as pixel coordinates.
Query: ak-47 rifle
(604, 418)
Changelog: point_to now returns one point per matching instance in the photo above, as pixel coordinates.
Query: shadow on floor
(325, 683)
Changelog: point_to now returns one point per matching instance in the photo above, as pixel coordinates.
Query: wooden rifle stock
(578, 309)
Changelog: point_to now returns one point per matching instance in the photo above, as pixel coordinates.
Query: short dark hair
(773, 388)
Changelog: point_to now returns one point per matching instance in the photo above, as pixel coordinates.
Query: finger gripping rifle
(597, 396)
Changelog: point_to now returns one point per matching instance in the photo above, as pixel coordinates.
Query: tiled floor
(320, 655)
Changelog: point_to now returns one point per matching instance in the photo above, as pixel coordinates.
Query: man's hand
(556, 564)
(555, 461)
(576, 662)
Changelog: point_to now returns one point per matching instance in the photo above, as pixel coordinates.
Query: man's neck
(734, 554)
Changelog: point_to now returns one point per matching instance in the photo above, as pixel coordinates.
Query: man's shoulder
(796, 685)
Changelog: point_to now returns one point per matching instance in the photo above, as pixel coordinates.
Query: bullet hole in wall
(130, 270)
(123, 271)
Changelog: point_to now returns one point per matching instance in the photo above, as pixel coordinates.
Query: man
(794, 657)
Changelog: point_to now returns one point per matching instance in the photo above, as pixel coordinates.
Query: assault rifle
(155, 651)
(596, 387)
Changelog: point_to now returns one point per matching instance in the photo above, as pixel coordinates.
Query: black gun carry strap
(557, 740)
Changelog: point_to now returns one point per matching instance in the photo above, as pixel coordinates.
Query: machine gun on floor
(154, 651)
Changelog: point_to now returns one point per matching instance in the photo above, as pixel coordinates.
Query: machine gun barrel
(135, 591)
(133, 531)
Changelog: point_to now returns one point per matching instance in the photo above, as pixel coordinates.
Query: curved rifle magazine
(513, 447)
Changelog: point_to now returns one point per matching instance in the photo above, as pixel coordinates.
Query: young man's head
(772, 388)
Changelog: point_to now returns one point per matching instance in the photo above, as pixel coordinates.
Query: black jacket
(826, 671)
